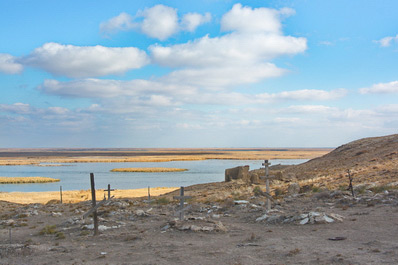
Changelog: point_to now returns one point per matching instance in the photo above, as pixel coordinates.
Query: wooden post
(182, 198)
(350, 187)
(60, 192)
(94, 202)
(267, 188)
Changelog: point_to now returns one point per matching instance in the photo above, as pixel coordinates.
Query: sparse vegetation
(162, 200)
(48, 230)
(149, 169)
(21, 180)
(162, 155)
(60, 235)
(278, 192)
(315, 189)
(379, 189)
(257, 191)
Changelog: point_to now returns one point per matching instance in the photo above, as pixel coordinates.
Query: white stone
(304, 221)
(241, 202)
(261, 218)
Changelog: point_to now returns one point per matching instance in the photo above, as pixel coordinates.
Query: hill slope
(372, 159)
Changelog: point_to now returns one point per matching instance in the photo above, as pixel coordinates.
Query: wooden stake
(60, 192)
(94, 203)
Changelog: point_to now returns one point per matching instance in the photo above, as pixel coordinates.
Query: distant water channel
(76, 176)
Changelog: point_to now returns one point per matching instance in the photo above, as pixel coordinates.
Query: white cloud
(85, 61)
(99, 88)
(122, 22)
(159, 22)
(381, 88)
(9, 65)
(305, 94)
(191, 21)
(309, 109)
(16, 108)
(245, 19)
(386, 41)
(226, 50)
(218, 77)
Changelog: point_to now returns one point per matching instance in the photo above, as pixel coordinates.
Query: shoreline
(75, 196)
(36, 157)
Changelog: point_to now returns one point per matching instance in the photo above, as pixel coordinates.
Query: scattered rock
(140, 213)
(241, 202)
(293, 189)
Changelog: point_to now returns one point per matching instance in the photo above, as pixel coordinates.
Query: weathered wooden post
(182, 198)
(60, 192)
(94, 202)
(267, 188)
(350, 187)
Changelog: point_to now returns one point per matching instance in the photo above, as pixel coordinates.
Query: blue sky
(197, 73)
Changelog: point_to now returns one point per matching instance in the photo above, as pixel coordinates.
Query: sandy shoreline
(74, 196)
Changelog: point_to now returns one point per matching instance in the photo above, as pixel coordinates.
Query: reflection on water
(76, 176)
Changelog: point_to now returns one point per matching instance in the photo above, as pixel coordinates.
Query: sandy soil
(73, 196)
(139, 233)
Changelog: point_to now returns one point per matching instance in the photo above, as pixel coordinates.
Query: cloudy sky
(208, 73)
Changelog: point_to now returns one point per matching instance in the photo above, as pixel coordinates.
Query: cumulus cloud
(191, 21)
(159, 22)
(9, 65)
(381, 88)
(246, 19)
(122, 22)
(232, 48)
(386, 41)
(85, 61)
(241, 56)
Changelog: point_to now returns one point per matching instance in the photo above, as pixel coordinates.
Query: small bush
(278, 192)
(60, 235)
(379, 189)
(361, 190)
(162, 200)
(257, 191)
(48, 230)
(84, 233)
(315, 189)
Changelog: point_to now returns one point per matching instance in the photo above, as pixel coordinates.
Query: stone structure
(241, 172)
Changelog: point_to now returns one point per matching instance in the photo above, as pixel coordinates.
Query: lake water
(76, 176)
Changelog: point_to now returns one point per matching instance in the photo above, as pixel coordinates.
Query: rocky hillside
(372, 159)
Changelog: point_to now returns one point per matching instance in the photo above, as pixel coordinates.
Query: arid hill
(372, 159)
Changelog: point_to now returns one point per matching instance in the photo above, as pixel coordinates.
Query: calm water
(76, 176)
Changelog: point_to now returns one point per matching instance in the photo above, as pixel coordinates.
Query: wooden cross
(109, 191)
(182, 198)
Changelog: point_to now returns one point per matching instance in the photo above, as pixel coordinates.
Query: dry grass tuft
(21, 180)
(148, 169)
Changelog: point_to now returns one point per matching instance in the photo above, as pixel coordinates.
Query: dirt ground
(73, 196)
(223, 232)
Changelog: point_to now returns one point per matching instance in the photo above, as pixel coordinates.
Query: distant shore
(38, 156)
(74, 196)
